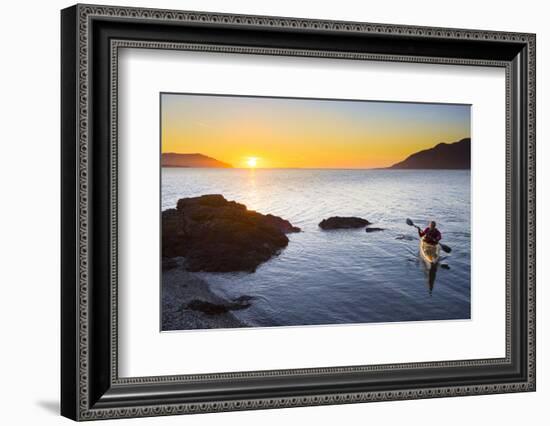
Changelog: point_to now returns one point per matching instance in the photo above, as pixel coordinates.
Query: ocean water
(345, 276)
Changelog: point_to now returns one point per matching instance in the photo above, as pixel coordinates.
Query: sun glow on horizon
(252, 162)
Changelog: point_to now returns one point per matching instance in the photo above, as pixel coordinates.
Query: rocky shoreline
(217, 235)
(188, 303)
(211, 234)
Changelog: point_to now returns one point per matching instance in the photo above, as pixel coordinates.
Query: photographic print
(300, 212)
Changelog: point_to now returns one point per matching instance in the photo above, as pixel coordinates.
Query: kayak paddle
(444, 247)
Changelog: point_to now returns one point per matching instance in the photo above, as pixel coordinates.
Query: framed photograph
(263, 212)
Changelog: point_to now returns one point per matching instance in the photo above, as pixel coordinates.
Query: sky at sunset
(306, 133)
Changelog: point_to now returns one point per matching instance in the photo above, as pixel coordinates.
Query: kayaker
(431, 234)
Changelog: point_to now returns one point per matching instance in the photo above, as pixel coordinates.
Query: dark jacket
(431, 236)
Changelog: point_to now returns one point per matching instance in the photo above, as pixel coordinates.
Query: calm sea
(345, 276)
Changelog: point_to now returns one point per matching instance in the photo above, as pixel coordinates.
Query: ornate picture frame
(91, 37)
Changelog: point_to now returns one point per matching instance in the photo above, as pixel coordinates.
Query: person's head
(432, 224)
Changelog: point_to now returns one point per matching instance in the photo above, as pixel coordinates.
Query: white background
(29, 217)
(146, 352)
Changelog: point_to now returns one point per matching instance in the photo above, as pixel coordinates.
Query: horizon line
(301, 168)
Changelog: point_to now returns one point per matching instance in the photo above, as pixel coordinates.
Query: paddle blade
(409, 222)
(445, 248)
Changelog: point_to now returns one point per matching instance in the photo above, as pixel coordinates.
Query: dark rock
(210, 308)
(337, 222)
(217, 235)
(243, 300)
(373, 229)
(282, 224)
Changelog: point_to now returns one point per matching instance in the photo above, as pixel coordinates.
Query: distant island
(442, 156)
(172, 159)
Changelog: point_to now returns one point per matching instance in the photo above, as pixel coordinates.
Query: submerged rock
(373, 229)
(337, 222)
(217, 235)
(210, 308)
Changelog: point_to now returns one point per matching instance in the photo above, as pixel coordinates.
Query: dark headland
(172, 159)
(442, 156)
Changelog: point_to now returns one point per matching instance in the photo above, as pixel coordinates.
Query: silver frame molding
(99, 392)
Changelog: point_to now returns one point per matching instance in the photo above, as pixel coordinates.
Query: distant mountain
(171, 159)
(442, 156)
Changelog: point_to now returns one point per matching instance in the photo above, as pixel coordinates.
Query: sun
(252, 162)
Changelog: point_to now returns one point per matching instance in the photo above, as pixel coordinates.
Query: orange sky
(306, 133)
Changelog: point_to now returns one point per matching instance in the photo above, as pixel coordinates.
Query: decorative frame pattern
(88, 407)
(118, 44)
